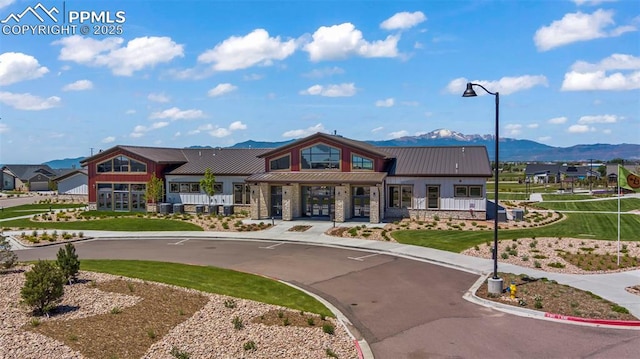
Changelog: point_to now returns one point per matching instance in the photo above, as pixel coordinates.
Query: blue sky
(182, 73)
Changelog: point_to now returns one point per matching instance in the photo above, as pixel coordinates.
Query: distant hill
(65, 163)
(510, 149)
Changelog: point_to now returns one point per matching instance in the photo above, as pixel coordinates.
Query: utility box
(502, 215)
(518, 214)
(178, 208)
(199, 209)
(228, 210)
(165, 208)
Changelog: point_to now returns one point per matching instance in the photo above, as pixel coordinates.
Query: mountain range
(512, 150)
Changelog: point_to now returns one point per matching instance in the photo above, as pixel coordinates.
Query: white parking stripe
(273, 246)
(179, 243)
(361, 259)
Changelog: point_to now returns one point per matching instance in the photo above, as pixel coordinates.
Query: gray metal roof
(363, 146)
(222, 161)
(471, 161)
(162, 155)
(319, 177)
(24, 172)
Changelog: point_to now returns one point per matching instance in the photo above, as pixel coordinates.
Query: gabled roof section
(221, 161)
(161, 155)
(360, 145)
(69, 172)
(469, 161)
(24, 172)
(319, 177)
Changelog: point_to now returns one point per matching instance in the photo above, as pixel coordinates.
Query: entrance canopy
(325, 177)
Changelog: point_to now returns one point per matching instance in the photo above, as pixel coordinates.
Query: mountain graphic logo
(36, 12)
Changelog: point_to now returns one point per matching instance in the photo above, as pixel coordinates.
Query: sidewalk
(608, 286)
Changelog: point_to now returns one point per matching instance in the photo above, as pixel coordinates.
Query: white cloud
(140, 130)
(385, 103)
(327, 71)
(158, 97)
(16, 67)
(79, 85)
(338, 42)
(410, 103)
(544, 138)
(513, 129)
(237, 125)
(586, 76)
(28, 102)
(175, 113)
(4, 128)
(599, 80)
(533, 125)
(557, 120)
(377, 129)
(221, 89)
(241, 52)
(506, 85)
(304, 132)
(398, 134)
(5, 3)
(578, 26)
(598, 119)
(108, 139)
(579, 129)
(607, 131)
(130, 112)
(342, 90)
(138, 54)
(403, 20)
(591, 2)
(252, 77)
(418, 45)
(220, 132)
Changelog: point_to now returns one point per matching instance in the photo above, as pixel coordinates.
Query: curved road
(403, 308)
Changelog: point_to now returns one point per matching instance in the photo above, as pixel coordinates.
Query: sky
(80, 76)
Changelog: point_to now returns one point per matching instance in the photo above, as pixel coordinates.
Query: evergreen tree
(7, 258)
(68, 262)
(43, 288)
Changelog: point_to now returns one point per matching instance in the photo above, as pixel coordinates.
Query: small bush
(250, 346)
(229, 303)
(43, 287)
(116, 310)
(330, 353)
(237, 323)
(311, 322)
(179, 354)
(8, 259)
(68, 262)
(329, 329)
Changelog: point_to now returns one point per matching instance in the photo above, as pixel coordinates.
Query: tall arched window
(320, 157)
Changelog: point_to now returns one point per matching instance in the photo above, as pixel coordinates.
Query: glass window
(407, 196)
(138, 187)
(184, 187)
(195, 187)
(121, 164)
(460, 191)
(400, 196)
(121, 187)
(475, 191)
(361, 163)
(105, 166)
(137, 166)
(174, 187)
(217, 187)
(282, 163)
(320, 157)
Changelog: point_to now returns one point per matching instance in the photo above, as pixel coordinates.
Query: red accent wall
(345, 162)
(95, 177)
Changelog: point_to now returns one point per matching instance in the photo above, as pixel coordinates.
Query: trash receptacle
(165, 208)
(178, 208)
(199, 209)
(228, 210)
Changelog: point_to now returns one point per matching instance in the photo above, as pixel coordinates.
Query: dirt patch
(551, 297)
(290, 318)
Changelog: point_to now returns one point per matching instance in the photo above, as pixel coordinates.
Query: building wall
(220, 199)
(448, 202)
(76, 184)
(8, 182)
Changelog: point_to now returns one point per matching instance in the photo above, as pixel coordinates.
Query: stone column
(296, 209)
(374, 205)
(287, 210)
(341, 199)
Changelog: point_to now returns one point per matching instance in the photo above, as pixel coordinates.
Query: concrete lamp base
(495, 285)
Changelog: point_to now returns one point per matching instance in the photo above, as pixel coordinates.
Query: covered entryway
(318, 201)
(361, 200)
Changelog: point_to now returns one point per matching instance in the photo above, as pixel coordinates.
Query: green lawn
(111, 224)
(29, 209)
(576, 225)
(507, 196)
(610, 205)
(566, 197)
(211, 280)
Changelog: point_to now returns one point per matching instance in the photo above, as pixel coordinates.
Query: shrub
(311, 322)
(229, 303)
(68, 262)
(250, 346)
(179, 354)
(537, 264)
(330, 353)
(329, 329)
(237, 323)
(7, 258)
(43, 287)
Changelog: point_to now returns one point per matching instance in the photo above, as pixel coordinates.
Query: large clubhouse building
(321, 176)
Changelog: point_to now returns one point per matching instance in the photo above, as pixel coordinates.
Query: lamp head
(469, 92)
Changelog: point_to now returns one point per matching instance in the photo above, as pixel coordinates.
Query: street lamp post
(495, 283)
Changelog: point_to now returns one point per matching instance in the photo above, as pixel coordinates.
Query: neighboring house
(72, 182)
(321, 176)
(556, 173)
(27, 177)
(612, 172)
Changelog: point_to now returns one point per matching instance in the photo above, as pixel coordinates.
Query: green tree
(154, 190)
(68, 262)
(207, 184)
(7, 258)
(43, 288)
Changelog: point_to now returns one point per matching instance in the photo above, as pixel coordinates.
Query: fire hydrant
(512, 290)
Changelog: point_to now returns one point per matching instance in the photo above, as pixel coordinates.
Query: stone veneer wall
(287, 210)
(259, 201)
(296, 206)
(374, 204)
(94, 206)
(421, 214)
(342, 203)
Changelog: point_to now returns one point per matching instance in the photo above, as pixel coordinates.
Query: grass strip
(111, 224)
(576, 225)
(211, 280)
(29, 209)
(626, 205)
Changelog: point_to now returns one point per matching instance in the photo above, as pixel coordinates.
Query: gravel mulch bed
(205, 328)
